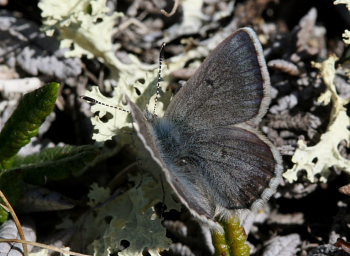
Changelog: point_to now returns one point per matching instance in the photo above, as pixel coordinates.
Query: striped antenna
(93, 101)
(160, 78)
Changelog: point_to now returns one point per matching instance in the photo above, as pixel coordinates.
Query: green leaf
(11, 184)
(50, 164)
(25, 121)
(57, 163)
(4, 215)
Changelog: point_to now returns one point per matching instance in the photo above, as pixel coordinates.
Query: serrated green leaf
(25, 121)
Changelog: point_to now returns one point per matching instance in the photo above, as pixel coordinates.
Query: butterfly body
(212, 156)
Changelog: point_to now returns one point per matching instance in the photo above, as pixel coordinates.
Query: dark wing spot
(223, 153)
(186, 160)
(182, 161)
(209, 83)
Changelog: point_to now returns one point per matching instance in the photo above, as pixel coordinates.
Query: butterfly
(207, 144)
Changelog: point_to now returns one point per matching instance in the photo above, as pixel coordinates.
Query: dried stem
(45, 246)
(16, 220)
(172, 12)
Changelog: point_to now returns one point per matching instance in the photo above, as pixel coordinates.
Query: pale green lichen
(319, 158)
(192, 19)
(120, 121)
(47, 252)
(78, 22)
(86, 27)
(42, 252)
(98, 195)
(135, 220)
(346, 36)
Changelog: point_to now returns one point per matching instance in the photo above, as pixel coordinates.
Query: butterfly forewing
(232, 82)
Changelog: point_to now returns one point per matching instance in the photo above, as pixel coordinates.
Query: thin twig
(5, 208)
(172, 12)
(16, 220)
(132, 21)
(45, 246)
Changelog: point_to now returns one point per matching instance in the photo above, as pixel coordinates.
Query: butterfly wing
(232, 82)
(215, 170)
(211, 157)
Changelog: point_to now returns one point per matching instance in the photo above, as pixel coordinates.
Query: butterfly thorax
(170, 140)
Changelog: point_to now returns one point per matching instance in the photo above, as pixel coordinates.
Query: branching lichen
(133, 219)
(325, 154)
(87, 28)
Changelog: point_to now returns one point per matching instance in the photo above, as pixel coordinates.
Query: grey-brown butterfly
(206, 143)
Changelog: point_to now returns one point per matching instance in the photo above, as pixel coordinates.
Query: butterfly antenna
(160, 78)
(93, 101)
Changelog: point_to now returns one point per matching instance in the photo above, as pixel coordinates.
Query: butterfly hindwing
(239, 165)
(224, 168)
